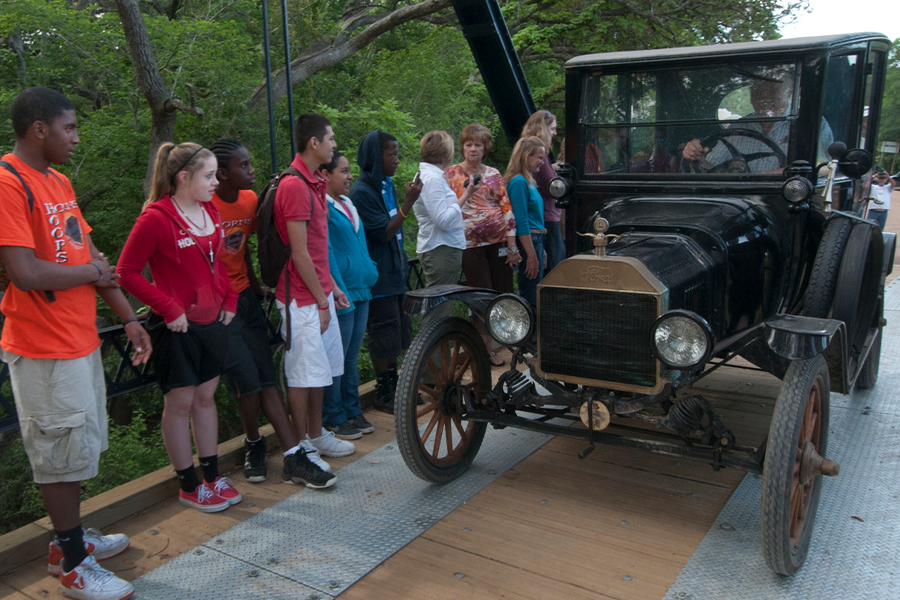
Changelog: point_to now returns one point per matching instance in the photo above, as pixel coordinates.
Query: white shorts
(62, 414)
(314, 358)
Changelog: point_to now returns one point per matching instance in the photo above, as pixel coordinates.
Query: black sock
(210, 466)
(187, 478)
(72, 543)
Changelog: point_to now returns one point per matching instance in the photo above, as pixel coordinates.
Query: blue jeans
(556, 248)
(341, 400)
(879, 216)
(528, 287)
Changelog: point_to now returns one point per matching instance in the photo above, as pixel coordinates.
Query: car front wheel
(446, 366)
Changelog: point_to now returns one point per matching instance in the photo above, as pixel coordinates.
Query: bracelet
(320, 308)
(99, 272)
(400, 210)
(127, 321)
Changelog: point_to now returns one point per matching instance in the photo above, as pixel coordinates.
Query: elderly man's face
(770, 98)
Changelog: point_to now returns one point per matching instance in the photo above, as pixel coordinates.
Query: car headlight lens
(681, 339)
(796, 189)
(559, 187)
(509, 320)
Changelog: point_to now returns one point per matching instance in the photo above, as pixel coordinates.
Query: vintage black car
(715, 210)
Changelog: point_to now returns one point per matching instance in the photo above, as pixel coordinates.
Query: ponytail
(171, 160)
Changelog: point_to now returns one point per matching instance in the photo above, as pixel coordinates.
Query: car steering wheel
(738, 162)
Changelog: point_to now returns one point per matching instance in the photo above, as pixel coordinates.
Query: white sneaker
(96, 544)
(312, 453)
(328, 445)
(90, 581)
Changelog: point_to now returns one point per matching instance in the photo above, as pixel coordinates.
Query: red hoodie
(185, 282)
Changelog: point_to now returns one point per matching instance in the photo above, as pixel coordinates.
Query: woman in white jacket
(442, 237)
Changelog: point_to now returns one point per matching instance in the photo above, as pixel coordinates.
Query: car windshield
(717, 119)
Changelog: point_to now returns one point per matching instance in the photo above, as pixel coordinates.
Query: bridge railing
(123, 378)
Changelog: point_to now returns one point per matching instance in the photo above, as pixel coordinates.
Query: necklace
(198, 229)
(184, 214)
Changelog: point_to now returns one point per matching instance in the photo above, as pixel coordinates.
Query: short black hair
(330, 167)
(307, 126)
(225, 149)
(37, 104)
(385, 139)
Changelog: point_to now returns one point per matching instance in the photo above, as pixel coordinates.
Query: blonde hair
(473, 132)
(524, 149)
(171, 160)
(436, 148)
(538, 124)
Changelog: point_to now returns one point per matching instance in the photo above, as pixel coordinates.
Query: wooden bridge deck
(618, 524)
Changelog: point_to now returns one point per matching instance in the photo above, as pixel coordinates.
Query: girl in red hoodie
(179, 234)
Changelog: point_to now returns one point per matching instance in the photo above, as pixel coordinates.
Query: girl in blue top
(528, 208)
(355, 273)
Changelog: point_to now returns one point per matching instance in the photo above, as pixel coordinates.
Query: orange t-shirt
(238, 222)
(35, 327)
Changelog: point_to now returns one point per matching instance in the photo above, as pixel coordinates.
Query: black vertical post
(267, 52)
(287, 73)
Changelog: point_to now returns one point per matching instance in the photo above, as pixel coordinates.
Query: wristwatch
(512, 249)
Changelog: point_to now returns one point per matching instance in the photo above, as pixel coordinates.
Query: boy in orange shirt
(251, 376)
(50, 339)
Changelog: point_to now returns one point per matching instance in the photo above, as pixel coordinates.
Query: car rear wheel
(822, 280)
(446, 366)
(858, 290)
(792, 479)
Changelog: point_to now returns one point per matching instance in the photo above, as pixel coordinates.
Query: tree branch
(327, 54)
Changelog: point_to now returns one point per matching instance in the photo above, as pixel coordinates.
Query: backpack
(271, 251)
(4, 276)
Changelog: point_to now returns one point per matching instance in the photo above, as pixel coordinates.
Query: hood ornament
(601, 239)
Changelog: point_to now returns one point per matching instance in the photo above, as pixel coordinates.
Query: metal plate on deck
(854, 550)
(322, 542)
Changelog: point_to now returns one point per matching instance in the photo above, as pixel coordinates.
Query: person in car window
(770, 97)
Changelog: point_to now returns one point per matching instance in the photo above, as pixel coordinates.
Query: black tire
(788, 507)
(822, 280)
(868, 375)
(856, 296)
(446, 362)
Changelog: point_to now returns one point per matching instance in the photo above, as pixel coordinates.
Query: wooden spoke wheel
(792, 476)
(446, 366)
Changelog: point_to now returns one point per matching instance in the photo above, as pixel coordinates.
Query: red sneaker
(222, 486)
(203, 499)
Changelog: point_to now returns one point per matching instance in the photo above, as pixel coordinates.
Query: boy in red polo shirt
(316, 354)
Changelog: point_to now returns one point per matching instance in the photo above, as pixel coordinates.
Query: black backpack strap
(15, 173)
(51, 297)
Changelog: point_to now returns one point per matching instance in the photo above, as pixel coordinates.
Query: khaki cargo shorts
(62, 414)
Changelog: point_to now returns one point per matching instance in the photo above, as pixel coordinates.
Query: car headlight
(559, 187)
(681, 339)
(510, 319)
(796, 189)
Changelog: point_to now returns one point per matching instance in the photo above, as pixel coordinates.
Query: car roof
(721, 50)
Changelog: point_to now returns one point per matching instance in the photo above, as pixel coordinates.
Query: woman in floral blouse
(491, 252)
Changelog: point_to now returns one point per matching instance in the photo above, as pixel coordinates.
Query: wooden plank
(430, 570)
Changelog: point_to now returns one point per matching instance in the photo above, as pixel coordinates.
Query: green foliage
(20, 502)
(134, 451)
(889, 127)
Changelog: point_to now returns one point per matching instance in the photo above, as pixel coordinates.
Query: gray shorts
(62, 414)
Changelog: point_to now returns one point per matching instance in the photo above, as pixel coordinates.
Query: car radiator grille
(596, 334)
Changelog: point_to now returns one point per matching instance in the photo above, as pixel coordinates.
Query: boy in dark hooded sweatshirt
(375, 198)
